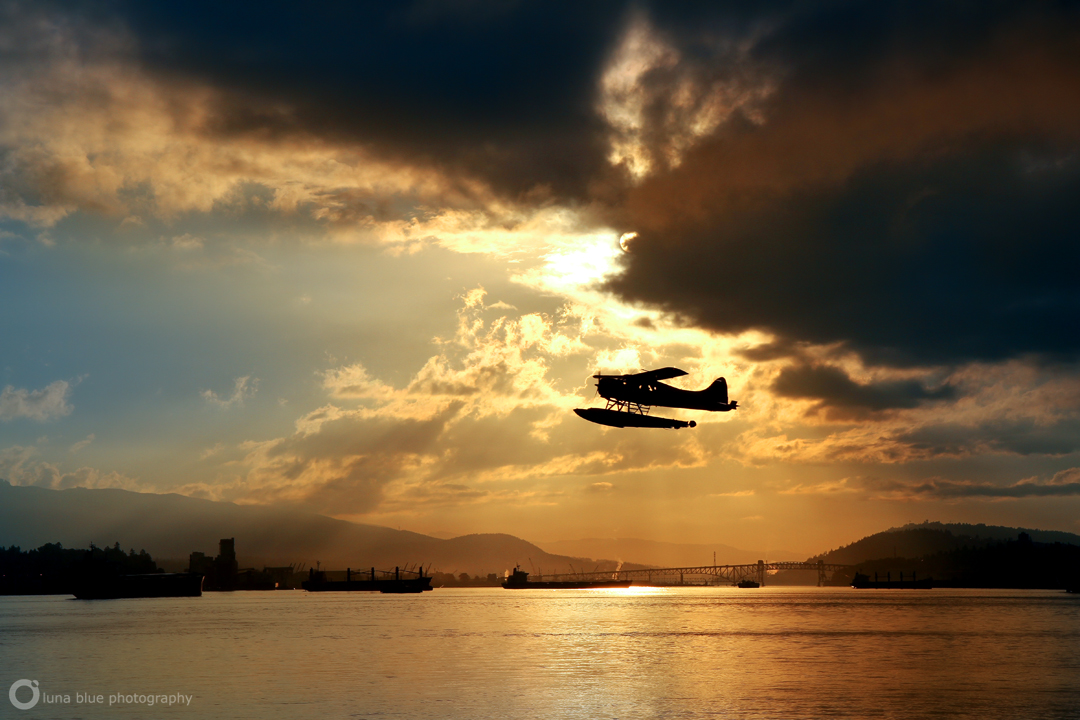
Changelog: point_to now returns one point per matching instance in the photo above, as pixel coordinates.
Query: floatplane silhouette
(631, 397)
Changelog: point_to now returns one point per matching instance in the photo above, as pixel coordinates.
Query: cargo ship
(863, 582)
(374, 581)
(150, 585)
(519, 580)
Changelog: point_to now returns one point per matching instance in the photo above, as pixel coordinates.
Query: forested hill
(997, 532)
(915, 541)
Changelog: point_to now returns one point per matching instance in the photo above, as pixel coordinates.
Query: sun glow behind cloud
(645, 74)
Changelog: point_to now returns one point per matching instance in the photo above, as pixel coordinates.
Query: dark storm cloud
(909, 191)
(956, 258)
(1063, 484)
(1020, 437)
(504, 91)
(838, 392)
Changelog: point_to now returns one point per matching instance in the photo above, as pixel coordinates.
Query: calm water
(493, 653)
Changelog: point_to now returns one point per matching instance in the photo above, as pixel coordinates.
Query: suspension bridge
(706, 574)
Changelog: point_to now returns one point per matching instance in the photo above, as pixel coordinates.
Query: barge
(374, 581)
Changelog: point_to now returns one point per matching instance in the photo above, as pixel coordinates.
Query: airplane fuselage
(713, 398)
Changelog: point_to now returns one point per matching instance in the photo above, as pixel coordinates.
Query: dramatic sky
(364, 258)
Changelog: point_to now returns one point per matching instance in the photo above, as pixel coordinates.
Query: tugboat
(519, 580)
(748, 583)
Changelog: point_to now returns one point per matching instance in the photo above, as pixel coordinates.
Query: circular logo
(36, 694)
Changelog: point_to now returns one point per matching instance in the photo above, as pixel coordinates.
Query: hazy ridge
(171, 526)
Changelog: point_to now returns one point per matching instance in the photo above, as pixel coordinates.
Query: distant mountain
(171, 526)
(919, 540)
(662, 554)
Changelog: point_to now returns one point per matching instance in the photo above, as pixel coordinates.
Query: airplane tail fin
(718, 390)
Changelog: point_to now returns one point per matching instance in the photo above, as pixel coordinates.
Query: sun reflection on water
(633, 591)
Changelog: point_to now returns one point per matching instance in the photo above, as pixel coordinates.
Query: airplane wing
(662, 374)
(649, 376)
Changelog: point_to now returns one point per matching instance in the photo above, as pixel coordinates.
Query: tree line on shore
(55, 570)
